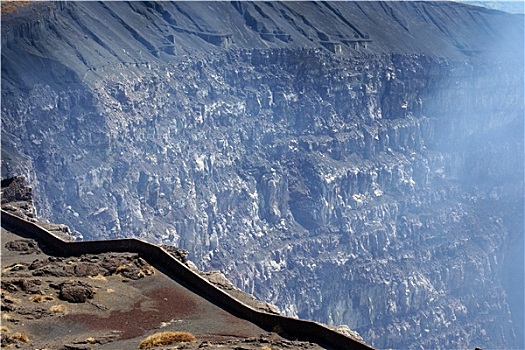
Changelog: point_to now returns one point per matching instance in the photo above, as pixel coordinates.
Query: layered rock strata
(376, 181)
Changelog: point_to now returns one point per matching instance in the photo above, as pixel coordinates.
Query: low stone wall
(165, 262)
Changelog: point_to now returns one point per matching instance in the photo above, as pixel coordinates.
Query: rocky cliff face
(367, 173)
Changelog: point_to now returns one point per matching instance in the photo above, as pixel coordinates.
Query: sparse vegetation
(122, 268)
(6, 316)
(166, 338)
(131, 269)
(58, 309)
(98, 278)
(5, 329)
(148, 270)
(41, 298)
(18, 337)
(266, 347)
(91, 340)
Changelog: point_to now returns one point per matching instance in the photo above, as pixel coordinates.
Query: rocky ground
(108, 301)
(353, 162)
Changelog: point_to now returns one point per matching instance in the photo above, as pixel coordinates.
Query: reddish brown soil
(168, 303)
(123, 312)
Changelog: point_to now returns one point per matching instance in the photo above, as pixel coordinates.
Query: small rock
(33, 312)
(9, 286)
(31, 286)
(24, 246)
(16, 267)
(38, 264)
(131, 271)
(90, 258)
(28, 286)
(84, 269)
(75, 291)
(179, 254)
(114, 262)
(54, 270)
(5, 305)
(75, 347)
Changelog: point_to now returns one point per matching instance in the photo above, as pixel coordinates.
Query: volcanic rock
(75, 291)
(24, 246)
(355, 163)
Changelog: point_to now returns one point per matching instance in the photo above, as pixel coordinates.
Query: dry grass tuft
(12, 300)
(58, 309)
(5, 329)
(166, 338)
(41, 298)
(98, 278)
(266, 347)
(148, 270)
(18, 336)
(122, 268)
(91, 340)
(110, 290)
(6, 316)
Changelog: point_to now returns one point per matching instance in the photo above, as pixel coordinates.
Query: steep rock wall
(382, 189)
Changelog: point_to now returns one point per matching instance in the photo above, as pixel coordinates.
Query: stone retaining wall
(162, 260)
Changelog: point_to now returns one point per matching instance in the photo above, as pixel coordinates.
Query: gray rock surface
(368, 172)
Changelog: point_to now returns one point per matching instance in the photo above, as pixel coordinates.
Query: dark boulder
(75, 291)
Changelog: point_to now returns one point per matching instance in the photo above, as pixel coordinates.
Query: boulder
(75, 291)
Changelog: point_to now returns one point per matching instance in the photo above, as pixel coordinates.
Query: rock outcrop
(367, 173)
